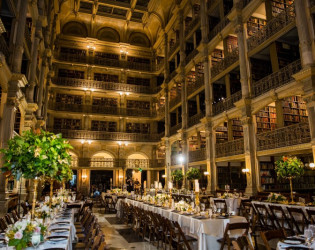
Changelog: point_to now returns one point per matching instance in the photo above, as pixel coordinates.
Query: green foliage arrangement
(37, 154)
(193, 174)
(177, 175)
(289, 167)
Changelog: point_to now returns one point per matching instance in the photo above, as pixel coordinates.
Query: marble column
(168, 163)
(41, 88)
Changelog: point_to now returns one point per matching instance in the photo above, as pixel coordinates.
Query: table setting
(305, 241)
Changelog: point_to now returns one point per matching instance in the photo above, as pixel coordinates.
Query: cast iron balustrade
(74, 162)
(198, 155)
(196, 85)
(93, 84)
(275, 25)
(227, 103)
(102, 135)
(218, 28)
(162, 134)
(71, 57)
(174, 47)
(174, 160)
(235, 147)
(195, 119)
(192, 25)
(100, 109)
(159, 65)
(191, 56)
(284, 137)
(176, 100)
(242, 4)
(226, 62)
(173, 130)
(277, 79)
(171, 76)
(4, 47)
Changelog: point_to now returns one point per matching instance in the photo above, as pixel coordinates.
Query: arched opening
(139, 39)
(137, 164)
(108, 34)
(75, 29)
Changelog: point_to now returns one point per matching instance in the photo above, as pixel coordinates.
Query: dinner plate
(293, 241)
(222, 217)
(60, 230)
(59, 238)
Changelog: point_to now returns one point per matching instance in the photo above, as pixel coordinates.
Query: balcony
(192, 25)
(117, 163)
(174, 129)
(226, 62)
(277, 79)
(217, 29)
(196, 85)
(191, 56)
(284, 137)
(174, 47)
(195, 119)
(93, 84)
(176, 100)
(99, 109)
(227, 103)
(275, 25)
(242, 4)
(198, 155)
(171, 76)
(106, 136)
(82, 58)
(230, 148)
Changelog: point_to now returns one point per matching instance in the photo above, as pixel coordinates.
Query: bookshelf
(143, 128)
(138, 81)
(101, 101)
(286, 53)
(266, 119)
(260, 69)
(194, 143)
(294, 110)
(268, 175)
(106, 77)
(280, 5)
(222, 133)
(231, 42)
(63, 123)
(232, 176)
(103, 126)
(71, 73)
(106, 55)
(237, 129)
(254, 24)
(138, 60)
(69, 99)
(132, 104)
(199, 69)
(216, 56)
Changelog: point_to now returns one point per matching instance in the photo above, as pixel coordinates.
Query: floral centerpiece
(289, 167)
(42, 212)
(116, 191)
(275, 197)
(177, 176)
(20, 234)
(183, 206)
(227, 196)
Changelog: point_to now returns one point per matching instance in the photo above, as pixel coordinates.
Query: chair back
(242, 243)
(231, 227)
(281, 219)
(267, 236)
(298, 218)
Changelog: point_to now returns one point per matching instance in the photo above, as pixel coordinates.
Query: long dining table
(207, 231)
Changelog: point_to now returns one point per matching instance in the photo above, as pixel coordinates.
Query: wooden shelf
(143, 128)
(266, 119)
(69, 99)
(103, 126)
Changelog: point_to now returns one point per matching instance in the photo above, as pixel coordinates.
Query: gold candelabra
(197, 201)
(170, 199)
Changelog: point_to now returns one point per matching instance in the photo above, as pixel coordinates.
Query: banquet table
(207, 231)
(233, 203)
(66, 221)
(282, 246)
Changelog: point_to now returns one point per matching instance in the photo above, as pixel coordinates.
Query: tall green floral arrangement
(289, 167)
(36, 154)
(177, 175)
(193, 174)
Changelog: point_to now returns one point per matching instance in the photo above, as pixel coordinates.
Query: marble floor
(118, 235)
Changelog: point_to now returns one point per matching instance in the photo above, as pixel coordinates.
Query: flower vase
(291, 189)
(34, 197)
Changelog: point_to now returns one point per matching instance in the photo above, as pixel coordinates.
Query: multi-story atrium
(141, 88)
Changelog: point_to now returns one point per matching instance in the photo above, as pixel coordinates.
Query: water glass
(35, 240)
(203, 207)
(308, 234)
(312, 228)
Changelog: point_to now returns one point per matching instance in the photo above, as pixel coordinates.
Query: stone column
(168, 161)
(41, 88)
(33, 66)
(19, 42)
(46, 99)
(185, 149)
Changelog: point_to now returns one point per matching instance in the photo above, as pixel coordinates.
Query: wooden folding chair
(227, 240)
(267, 236)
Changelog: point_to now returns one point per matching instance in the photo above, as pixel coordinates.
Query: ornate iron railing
(196, 85)
(95, 162)
(217, 29)
(284, 137)
(277, 79)
(227, 61)
(192, 25)
(173, 130)
(100, 109)
(191, 56)
(171, 76)
(312, 3)
(174, 47)
(198, 155)
(227, 103)
(176, 100)
(195, 119)
(275, 25)
(101, 135)
(242, 4)
(230, 148)
(93, 84)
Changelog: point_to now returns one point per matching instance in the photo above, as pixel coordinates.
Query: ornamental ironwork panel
(226, 62)
(196, 85)
(176, 100)
(192, 25)
(277, 79)
(276, 24)
(227, 103)
(284, 137)
(235, 147)
(173, 130)
(195, 119)
(198, 155)
(217, 29)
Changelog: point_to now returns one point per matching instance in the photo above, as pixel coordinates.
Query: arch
(139, 39)
(108, 34)
(138, 160)
(102, 159)
(74, 28)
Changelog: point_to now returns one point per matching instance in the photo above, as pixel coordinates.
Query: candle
(156, 185)
(160, 185)
(196, 186)
(170, 185)
(145, 184)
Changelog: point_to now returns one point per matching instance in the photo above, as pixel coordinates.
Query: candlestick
(170, 199)
(160, 185)
(196, 186)
(197, 201)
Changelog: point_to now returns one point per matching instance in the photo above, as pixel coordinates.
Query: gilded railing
(218, 28)
(198, 155)
(173, 130)
(174, 47)
(227, 61)
(191, 56)
(195, 119)
(93, 84)
(176, 100)
(171, 76)
(102, 135)
(284, 137)
(192, 25)
(227, 103)
(100, 109)
(276, 24)
(95, 162)
(235, 147)
(277, 79)
(196, 85)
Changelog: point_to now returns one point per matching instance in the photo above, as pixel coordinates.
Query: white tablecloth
(233, 203)
(282, 246)
(207, 231)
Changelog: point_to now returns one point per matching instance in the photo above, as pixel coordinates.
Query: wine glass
(308, 234)
(203, 207)
(35, 240)
(214, 209)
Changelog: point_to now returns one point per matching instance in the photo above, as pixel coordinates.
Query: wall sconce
(86, 141)
(164, 176)
(120, 177)
(84, 175)
(92, 47)
(206, 173)
(246, 171)
(120, 143)
(123, 51)
(181, 159)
